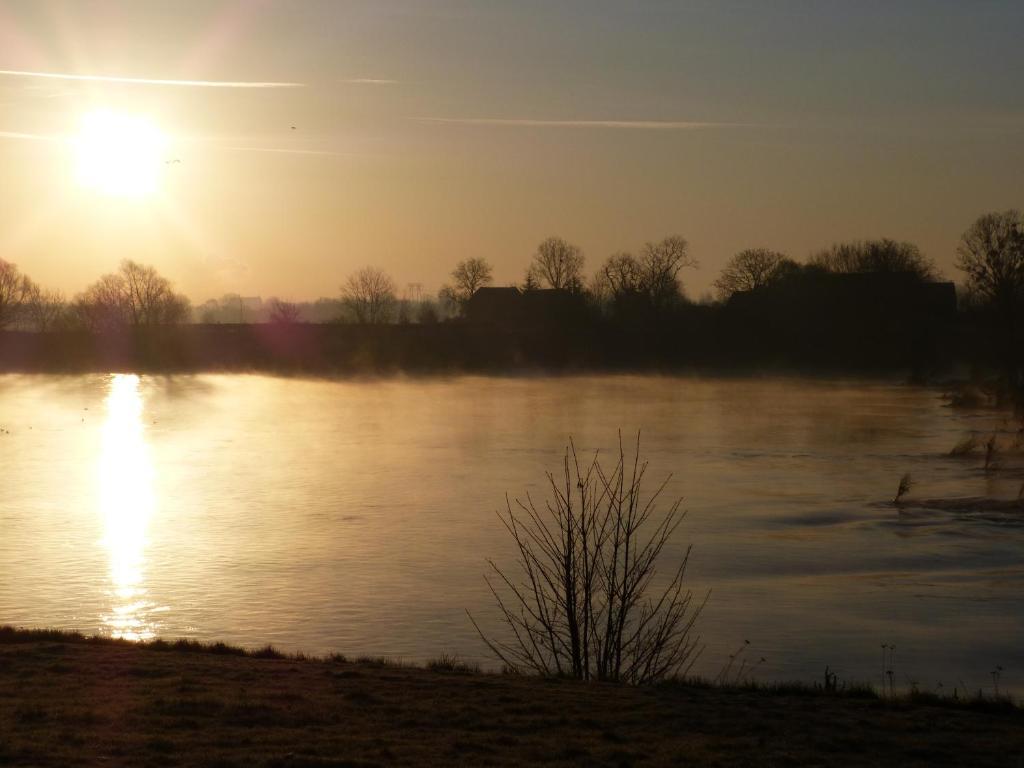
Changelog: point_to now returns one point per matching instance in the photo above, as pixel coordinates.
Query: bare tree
(15, 291)
(530, 280)
(661, 263)
(751, 269)
(151, 299)
(103, 305)
(883, 255)
(621, 275)
(991, 254)
(284, 312)
(559, 264)
(584, 602)
(653, 278)
(370, 295)
(46, 310)
(469, 276)
(136, 295)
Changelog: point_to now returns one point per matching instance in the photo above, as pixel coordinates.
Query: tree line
(647, 283)
(135, 295)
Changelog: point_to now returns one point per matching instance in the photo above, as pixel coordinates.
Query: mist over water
(356, 516)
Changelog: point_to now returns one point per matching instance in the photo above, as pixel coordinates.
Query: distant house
(513, 308)
(495, 306)
(848, 319)
(855, 295)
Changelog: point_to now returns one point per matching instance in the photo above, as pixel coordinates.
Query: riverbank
(701, 340)
(68, 700)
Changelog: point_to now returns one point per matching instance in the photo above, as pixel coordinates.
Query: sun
(119, 154)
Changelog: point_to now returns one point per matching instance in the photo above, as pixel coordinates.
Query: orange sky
(424, 136)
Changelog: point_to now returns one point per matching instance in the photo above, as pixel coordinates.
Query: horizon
(292, 144)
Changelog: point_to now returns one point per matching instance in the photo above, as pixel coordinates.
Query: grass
(734, 677)
(166, 703)
(449, 663)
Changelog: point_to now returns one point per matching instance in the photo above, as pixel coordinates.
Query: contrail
(653, 125)
(149, 81)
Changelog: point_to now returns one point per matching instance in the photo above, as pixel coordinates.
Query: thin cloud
(279, 151)
(649, 125)
(149, 81)
(29, 136)
(369, 81)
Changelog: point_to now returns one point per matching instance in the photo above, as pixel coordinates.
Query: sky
(304, 139)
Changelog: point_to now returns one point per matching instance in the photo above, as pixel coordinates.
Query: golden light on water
(119, 155)
(127, 503)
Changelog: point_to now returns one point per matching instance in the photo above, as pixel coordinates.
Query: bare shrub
(581, 603)
(284, 312)
(370, 296)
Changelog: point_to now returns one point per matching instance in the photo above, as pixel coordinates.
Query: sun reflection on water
(127, 503)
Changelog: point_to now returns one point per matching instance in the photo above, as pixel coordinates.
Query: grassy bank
(70, 700)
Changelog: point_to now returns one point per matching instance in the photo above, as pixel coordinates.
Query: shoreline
(446, 348)
(70, 699)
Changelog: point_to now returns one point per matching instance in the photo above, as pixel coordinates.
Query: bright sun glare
(119, 154)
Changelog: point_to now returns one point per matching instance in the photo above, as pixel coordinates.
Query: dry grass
(76, 701)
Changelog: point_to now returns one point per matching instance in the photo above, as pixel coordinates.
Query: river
(357, 515)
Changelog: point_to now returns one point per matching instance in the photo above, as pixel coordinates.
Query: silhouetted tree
(469, 276)
(558, 264)
(620, 276)
(46, 310)
(991, 254)
(648, 283)
(284, 312)
(151, 299)
(136, 295)
(370, 295)
(530, 281)
(661, 263)
(15, 291)
(883, 255)
(751, 269)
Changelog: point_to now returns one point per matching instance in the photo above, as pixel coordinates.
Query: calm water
(357, 515)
